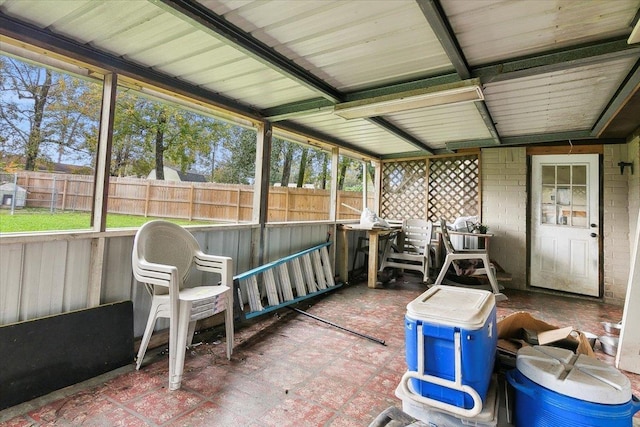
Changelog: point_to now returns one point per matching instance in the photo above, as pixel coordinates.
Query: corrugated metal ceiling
(550, 70)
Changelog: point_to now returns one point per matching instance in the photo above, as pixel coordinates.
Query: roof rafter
(439, 23)
(557, 60)
(249, 45)
(61, 45)
(628, 88)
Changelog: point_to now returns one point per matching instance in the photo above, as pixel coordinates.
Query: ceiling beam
(435, 15)
(61, 45)
(522, 67)
(628, 88)
(438, 22)
(243, 41)
(557, 60)
(312, 134)
(309, 107)
(400, 134)
(524, 139)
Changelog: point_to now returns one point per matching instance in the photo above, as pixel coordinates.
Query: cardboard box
(515, 330)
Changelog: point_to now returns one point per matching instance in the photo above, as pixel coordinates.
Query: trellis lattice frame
(443, 186)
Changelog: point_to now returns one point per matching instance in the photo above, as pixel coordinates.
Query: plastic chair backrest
(163, 242)
(417, 234)
(446, 240)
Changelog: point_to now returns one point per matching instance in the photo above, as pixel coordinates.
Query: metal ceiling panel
(437, 126)
(359, 133)
(351, 45)
(494, 30)
(286, 58)
(555, 102)
(146, 34)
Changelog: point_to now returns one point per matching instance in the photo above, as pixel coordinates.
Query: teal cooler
(451, 339)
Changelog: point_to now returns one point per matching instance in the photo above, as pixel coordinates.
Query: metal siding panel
(44, 279)
(117, 284)
(78, 266)
(11, 266)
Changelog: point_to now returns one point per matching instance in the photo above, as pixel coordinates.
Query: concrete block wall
(504, 209)
(615, 227)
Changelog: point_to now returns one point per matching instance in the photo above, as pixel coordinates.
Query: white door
(565, 223)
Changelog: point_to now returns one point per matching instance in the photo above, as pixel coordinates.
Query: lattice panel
(454, 187)
(404, 189)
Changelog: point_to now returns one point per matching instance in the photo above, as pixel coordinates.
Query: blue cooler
(451, 338)
(555, 387)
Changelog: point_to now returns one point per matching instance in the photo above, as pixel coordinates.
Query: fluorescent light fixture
(635, 34)
(453, 93)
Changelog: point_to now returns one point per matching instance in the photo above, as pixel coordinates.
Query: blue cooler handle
(635, 404)
(511, 378)
(469, 413)
(455, 385)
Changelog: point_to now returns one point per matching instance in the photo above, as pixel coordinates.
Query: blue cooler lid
(578, 376)
(452, 306)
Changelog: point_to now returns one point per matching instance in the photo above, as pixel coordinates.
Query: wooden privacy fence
(181, 200)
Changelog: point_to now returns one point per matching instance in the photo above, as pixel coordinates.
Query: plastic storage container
(451, 341)
(555, 387)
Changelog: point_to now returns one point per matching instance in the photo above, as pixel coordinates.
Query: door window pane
(580, 175)
(564, 195)
(564, 175)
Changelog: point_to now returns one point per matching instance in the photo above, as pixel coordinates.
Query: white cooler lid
(578, 376)
(452, 306)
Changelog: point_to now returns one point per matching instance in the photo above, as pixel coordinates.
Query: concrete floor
(287, 369)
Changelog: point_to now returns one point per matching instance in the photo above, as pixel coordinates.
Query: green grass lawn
(25, 220)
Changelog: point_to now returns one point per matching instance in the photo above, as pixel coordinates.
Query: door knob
(593, 226)
(594, 235)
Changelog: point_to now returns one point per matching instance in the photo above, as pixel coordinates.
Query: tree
(286, 166)
(45, 114)
(25, 89)
(238, 157)
(303, 166)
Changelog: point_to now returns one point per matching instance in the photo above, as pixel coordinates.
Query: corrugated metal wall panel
(79, 259)
(51, 277)
(44, 278)
(493, 30)
(11, 269)
(287, 240)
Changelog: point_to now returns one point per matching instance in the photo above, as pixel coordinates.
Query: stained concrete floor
(287, 369)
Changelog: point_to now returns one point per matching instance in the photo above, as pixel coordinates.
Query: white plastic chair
(163, 255)
(474, 268)
(414, 245)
